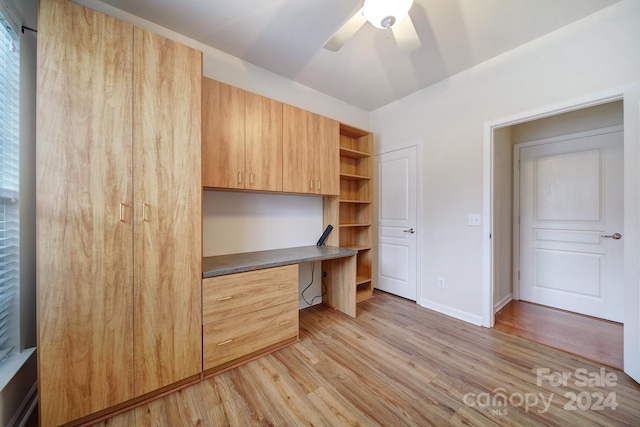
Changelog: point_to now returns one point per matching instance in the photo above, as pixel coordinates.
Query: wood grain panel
(341, 284)
(241, 293)
(237, 336)
(84, 250)
(328, 155)
(298, 171)
(223, 135)
(263, 143)
(168, 226)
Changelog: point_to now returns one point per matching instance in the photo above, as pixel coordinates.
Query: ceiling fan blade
(345, 32)
(406, 36)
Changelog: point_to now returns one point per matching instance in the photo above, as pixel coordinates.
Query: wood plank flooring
(595, 339)
(398, 364)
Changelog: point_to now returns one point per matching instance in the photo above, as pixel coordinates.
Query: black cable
(323, 290)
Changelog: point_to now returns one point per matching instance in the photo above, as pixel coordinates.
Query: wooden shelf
(352, 177)
(358, 247)
(363, 295)
(353, 154)
(355, 201)
(352, 210)
(362, 280)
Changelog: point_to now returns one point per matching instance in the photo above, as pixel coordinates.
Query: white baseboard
(453, 312)
(504, 301)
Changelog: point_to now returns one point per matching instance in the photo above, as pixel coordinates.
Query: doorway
(505, 231)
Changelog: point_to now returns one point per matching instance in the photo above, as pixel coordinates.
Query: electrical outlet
(441, 282)
(474, 219)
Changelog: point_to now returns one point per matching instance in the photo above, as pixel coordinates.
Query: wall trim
(504, 301)
(452, 312)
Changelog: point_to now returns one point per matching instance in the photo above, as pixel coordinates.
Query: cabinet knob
(239, 177)
(318, 185)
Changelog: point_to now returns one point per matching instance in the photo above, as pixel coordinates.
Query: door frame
(516, 189)
(628, 94)
(418, 144)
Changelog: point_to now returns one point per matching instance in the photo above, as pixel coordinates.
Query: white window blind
(9, 191)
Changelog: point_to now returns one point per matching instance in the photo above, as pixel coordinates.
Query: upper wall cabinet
(242, 139)
(119, 243)
(311, 153)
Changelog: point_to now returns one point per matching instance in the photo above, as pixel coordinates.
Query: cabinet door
(223, 135)
(263, 143)
(298, 152)
(328, 153)
(84, 201)
(168, 206)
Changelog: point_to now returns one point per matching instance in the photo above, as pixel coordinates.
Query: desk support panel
(340, 282)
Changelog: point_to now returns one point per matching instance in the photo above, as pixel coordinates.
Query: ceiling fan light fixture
(385, 13)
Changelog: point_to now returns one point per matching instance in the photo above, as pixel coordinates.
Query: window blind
(9, 191)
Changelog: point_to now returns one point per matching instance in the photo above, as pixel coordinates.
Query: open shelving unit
(355, 203)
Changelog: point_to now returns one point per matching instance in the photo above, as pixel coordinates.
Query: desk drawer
(237, 294)
(239, 336)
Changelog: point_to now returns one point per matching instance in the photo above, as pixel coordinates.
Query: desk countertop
(237, 263)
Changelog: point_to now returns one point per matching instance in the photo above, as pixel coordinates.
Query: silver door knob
(411, 230)
(614, 236)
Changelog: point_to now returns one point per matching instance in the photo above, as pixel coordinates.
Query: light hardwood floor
(396, 364)
(596, 339)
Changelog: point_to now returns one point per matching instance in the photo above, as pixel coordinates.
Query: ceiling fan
(383, 14)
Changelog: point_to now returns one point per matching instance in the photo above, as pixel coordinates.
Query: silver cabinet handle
(122, 206)
(614, 236)
(411, 230)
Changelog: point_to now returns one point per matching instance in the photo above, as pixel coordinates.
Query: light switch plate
(474, 220)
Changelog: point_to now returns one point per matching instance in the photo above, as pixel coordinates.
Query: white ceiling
(286, 37)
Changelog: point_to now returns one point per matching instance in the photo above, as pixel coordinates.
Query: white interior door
(396, 181)
(571, 207)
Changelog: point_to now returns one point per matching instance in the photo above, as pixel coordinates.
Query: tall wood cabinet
(242, 139)
(118, 212)
(310, 153)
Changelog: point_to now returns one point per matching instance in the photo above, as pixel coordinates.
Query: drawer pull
(224, 342)
(284, 286)
(224, 299)
(286, 322)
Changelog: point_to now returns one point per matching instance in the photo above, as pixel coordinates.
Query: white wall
(503, 218)
(592, 55)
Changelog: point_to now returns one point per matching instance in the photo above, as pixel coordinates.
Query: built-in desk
(237, 263)
(250, 300)
(340, 266)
